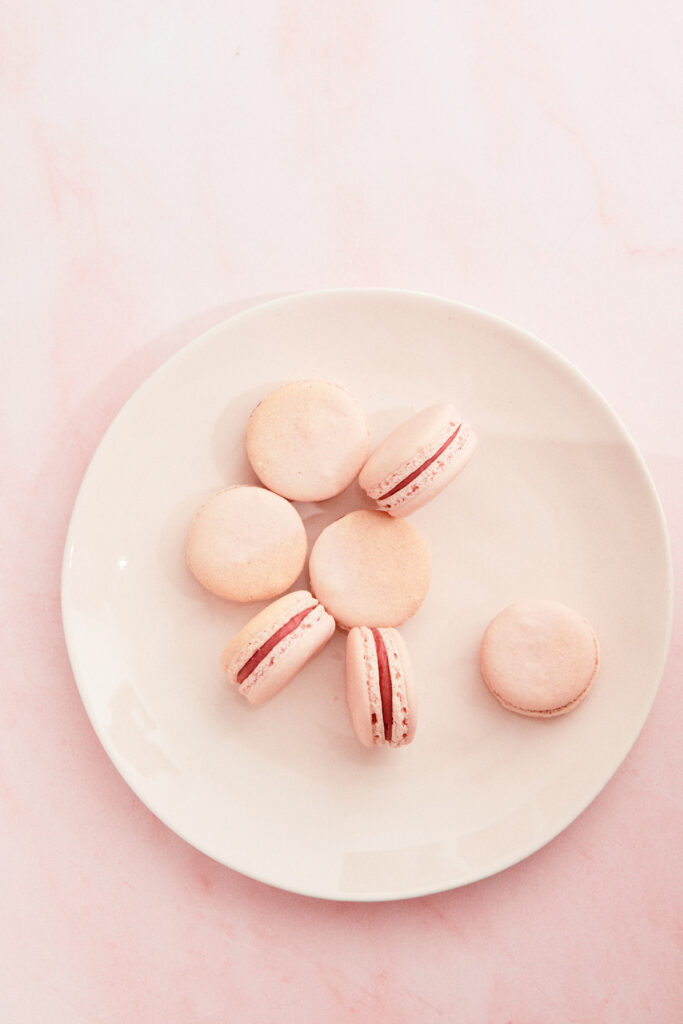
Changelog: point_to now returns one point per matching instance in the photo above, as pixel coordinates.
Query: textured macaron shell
(362, 687)
(370, 570)
(307, 440)
(246, 544)
(539, 658)
(413, 444)
(288, 656)
(404, 690)
(363, 690)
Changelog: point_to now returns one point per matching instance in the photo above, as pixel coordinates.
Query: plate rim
(548, 352)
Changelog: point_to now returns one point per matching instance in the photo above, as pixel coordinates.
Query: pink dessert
(539, 658)
(380, 690)
(246, 544)
(307, 440)
(370, 569)
(415, 462)
(268, 652)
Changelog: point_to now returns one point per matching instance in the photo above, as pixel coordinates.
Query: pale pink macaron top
(273, 646)
(370, 570)
(539, 658)
(246, 544)
(380, 688)
(417, 460)
(307, 440)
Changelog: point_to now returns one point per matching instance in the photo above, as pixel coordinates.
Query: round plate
(556, 502)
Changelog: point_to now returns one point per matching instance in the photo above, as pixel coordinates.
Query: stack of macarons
(369, 571)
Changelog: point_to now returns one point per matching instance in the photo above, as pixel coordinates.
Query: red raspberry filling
(271, 642)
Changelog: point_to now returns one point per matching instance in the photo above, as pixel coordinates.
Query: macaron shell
(307, 440)
(435, 478)
(539, 658)
(362, 687)
(404, 692)
(552, 713)
(246, 544)
(369, 569)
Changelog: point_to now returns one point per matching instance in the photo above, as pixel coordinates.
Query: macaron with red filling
(269, 651)
(380, 689)
(417, 460)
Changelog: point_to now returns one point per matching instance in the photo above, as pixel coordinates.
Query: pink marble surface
(165, 164)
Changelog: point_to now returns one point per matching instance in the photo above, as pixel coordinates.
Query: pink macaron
(246, 544)
(370, 570)
(380, 689)
(539, 658)
(307, 440)
(417, 460)
(268, 652)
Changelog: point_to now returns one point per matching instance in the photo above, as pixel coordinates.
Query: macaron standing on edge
(273, 646)
(246, 544)
(380, 689)
(417, 460)
(539, 658)
(307, 440)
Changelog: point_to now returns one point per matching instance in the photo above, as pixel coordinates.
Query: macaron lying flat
(370, 570)
(539, 658)
(246, 544)
(265, 655)
(307, 440)
(415, 462)
(380, 689)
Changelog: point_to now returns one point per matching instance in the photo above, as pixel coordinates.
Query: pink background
(166, 164)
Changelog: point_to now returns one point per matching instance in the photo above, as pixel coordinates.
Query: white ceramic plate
(556, 502)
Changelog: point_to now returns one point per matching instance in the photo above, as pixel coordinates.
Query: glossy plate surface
(556, 502)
